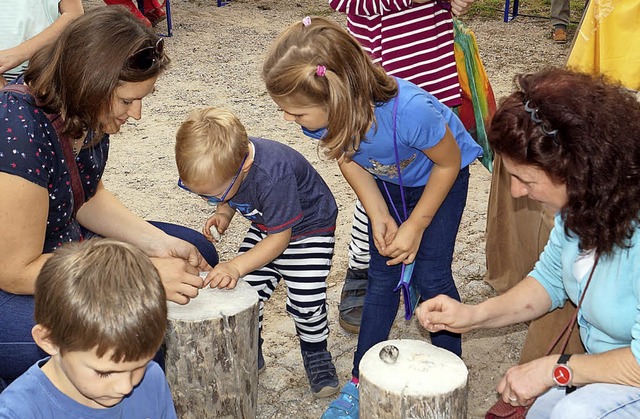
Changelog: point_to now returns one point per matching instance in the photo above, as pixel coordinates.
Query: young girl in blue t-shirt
(405, 155)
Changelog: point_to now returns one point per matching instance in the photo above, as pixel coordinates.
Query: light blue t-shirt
(610, 314)
(421, 121)
(32, 395)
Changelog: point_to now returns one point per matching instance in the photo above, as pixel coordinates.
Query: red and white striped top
(410, 41)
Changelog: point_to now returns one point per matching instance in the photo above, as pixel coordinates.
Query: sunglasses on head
(144, 58)
(212, 199)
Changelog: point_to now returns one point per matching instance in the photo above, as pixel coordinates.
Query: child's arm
(383, 226)
(220, 220)
(226, 274)
(446, 158)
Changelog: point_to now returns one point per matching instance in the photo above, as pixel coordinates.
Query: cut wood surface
(412, 379)
(211, 354)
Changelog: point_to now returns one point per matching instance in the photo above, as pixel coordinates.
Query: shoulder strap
(568, 328)
(57, 122)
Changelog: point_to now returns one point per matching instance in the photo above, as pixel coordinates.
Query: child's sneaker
(346, 406)
(321, 372)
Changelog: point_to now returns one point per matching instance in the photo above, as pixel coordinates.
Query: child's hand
(384, 230)
(405, 244)
(220, 223)
(460, 7)
(223, 275)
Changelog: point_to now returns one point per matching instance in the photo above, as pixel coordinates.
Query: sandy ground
(217, 55)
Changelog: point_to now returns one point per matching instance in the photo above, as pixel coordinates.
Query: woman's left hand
(521, 384)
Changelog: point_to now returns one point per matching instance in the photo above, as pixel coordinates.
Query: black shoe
(352, 299)
(321, 372)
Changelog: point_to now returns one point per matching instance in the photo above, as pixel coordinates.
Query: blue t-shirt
(609, 317)
(282, 190)
(30, 149)
(421, 122)
(32, 395)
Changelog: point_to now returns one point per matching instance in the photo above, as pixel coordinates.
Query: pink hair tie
(321, 71)
(306, 21)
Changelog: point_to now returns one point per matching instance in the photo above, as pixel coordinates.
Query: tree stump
(212, 354)
(411, 379)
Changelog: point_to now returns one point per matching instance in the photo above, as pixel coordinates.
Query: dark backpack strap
(58, 125)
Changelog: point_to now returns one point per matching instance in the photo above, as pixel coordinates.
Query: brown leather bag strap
(58, 125)
(568, 328)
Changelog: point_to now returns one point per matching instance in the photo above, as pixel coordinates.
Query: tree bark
(422, 381)
(212, 354)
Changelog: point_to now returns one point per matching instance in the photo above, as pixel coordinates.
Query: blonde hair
(349, 89)
(102, 294)
(210, 143)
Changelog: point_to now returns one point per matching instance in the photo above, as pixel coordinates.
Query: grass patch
(494, 9)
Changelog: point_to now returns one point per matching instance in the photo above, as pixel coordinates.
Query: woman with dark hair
(55, 124)
(572, 142)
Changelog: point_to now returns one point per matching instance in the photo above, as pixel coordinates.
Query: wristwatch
(562, 374)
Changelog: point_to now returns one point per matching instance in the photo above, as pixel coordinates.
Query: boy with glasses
(293, 217)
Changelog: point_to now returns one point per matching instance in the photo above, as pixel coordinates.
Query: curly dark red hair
(595, 151)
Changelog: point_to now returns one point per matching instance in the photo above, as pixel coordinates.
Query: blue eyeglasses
(212, 199)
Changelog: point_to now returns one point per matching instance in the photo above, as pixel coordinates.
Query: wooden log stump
(411, 379)
(212, 354)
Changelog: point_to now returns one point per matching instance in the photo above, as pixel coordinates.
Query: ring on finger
(513, 399)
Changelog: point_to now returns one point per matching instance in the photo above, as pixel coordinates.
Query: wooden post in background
(411, 379)
(212, 354)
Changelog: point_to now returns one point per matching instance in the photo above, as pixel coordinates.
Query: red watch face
(562, 375)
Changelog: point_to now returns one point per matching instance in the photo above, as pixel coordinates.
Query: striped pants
(304, 266)
(359, 244)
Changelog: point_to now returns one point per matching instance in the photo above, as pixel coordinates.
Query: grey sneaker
(352, 299)
(321, 373)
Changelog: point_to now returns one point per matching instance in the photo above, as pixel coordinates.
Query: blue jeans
(18, 351)
(432, 273)
(593, 401)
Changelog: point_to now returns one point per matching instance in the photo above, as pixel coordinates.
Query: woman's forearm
(527, 300)
(105, 215)
(617, 366)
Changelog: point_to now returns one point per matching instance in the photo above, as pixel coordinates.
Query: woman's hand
(218, 221)
(523, 383)
(405, 244)
(177, 248)
(445, 313)
(223, 275)
(180, 279)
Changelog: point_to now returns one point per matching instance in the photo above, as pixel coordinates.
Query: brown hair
(210, 144)
(595, 150)
(350, 88)
(77, 75)
(102, 294)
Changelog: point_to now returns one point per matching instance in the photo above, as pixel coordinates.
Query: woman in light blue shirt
(570, 141)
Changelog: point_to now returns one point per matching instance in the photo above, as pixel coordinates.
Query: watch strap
(564, 358)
